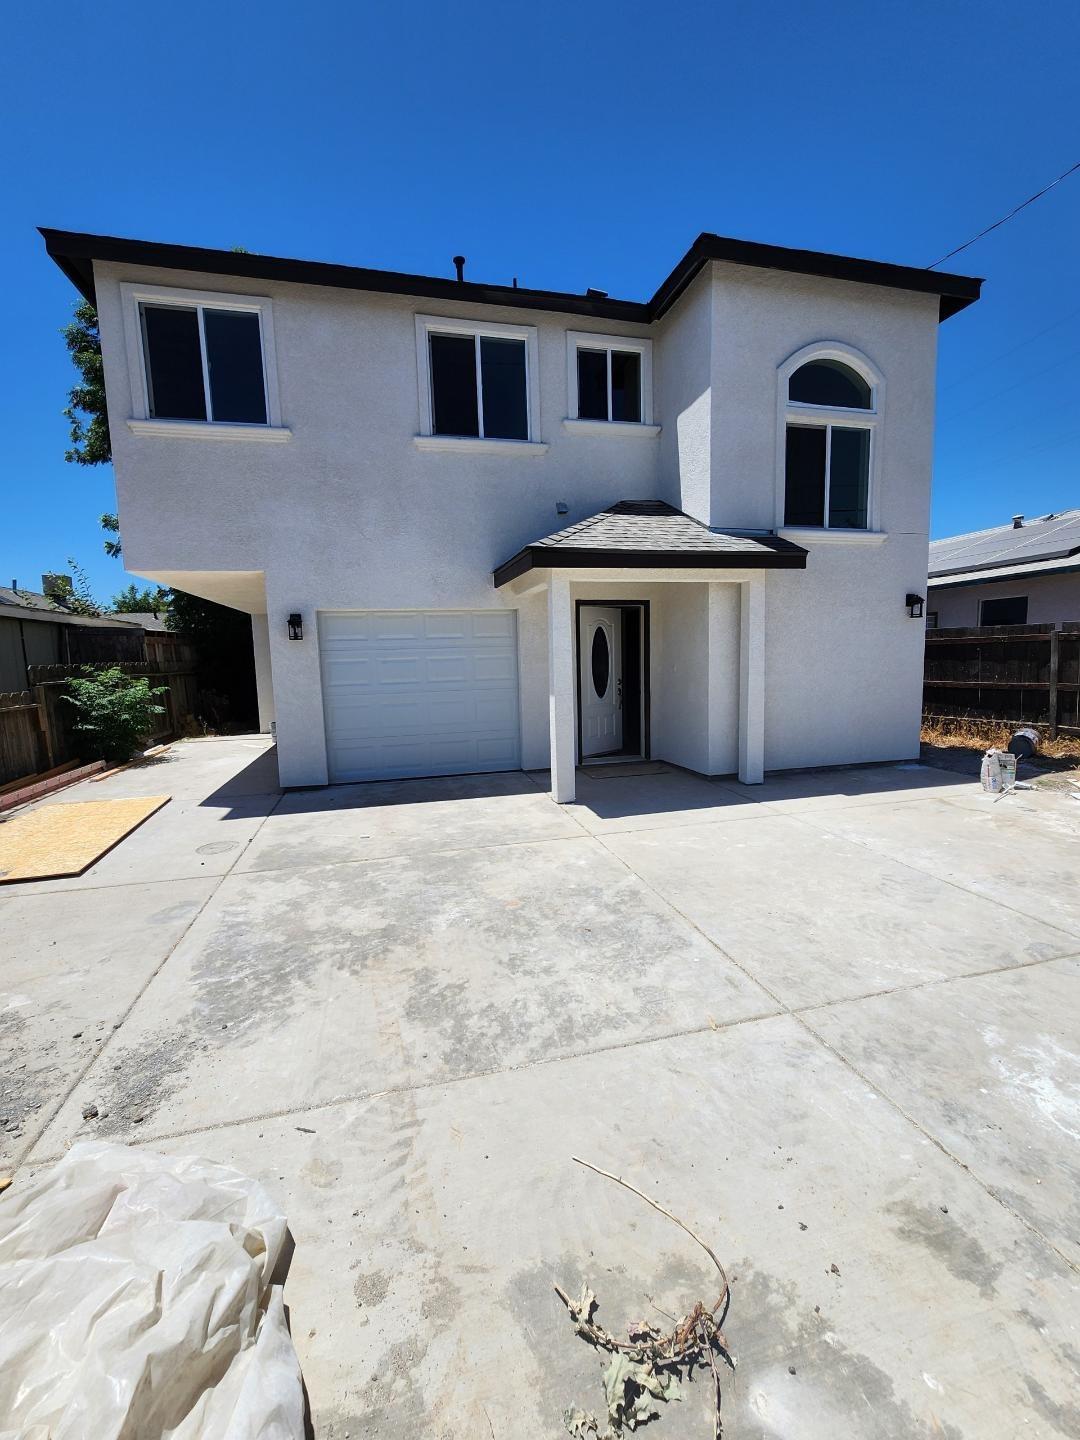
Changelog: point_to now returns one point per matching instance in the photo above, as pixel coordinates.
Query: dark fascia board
(955, 291)
(541, 557)
(76, 252)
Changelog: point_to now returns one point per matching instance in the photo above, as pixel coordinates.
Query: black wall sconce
(296, 626)
(914, 604)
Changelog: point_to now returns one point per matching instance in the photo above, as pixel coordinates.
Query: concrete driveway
(832, 1022)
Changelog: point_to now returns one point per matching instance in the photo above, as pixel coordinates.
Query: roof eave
(539, 557)
(955, 292)
(1037, 570)
(76, 251)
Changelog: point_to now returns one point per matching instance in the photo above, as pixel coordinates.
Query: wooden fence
(37, 729)
(1020, 674)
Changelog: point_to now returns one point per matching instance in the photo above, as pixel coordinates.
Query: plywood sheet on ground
(65, 839)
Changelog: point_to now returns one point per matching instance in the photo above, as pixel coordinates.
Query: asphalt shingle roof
(1046, 538)
(641, 533)
(37, 606)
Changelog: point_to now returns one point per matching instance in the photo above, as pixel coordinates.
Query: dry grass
(969, 734)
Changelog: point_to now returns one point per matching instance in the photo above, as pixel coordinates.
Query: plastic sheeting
(136, 1302)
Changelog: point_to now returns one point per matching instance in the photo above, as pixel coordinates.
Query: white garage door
(411, 692)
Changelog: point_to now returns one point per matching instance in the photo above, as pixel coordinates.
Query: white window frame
(428, 325)
(141, 422)
(826, 417)
(585, 340)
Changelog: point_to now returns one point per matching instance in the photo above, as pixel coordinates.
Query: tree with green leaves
(90, 442)
(150, 597)
(222, 636)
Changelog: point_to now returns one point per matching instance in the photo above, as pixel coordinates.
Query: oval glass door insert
(601, 662)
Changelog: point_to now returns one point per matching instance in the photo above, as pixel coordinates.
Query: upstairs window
(478, 387)
(203, 362)
(831, 383)
(609, 385)
(829, 423)
(609, 379)
(478, 382)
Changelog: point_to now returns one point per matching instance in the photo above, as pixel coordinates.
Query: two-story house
(481, 527)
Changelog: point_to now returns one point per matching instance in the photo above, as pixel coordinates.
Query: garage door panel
(419, 693)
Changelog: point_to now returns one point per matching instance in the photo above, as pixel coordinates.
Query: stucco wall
(682, 363)
(351, 514)
(1050, 601)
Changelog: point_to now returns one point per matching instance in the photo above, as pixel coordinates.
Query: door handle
(618, 696)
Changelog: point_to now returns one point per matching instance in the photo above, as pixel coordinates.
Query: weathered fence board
(22, 743)
(37, 727)
(1014, 673)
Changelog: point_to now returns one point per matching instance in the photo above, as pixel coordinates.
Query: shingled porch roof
(650, 534)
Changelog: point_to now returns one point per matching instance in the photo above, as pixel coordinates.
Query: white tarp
(135, 1302)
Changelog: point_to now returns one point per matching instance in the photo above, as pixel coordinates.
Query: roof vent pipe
(459, 266)
(1018, 522)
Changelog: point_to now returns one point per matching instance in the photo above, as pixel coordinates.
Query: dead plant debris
(648, 1368)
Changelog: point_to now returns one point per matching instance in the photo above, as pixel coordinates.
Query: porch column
(752, 681)
(561, 689)
(264, 684)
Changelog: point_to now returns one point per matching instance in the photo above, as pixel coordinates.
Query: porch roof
(651, 534)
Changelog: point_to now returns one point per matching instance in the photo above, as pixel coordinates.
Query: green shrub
(115, 711)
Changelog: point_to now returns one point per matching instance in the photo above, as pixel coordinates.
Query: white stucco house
(481, 527)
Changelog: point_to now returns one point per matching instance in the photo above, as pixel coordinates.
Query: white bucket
(998, 771)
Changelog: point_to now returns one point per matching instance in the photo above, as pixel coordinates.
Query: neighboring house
(479, 527)
(37, 628)
(1024, 573)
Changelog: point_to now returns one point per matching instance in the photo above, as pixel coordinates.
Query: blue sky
(570, 145)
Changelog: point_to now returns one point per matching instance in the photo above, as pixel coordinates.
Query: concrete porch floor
(830, 1021)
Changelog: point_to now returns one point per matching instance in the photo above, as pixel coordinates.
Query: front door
(601, 680)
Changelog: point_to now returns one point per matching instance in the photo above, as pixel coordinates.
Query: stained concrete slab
(70, 970)
(1019, 856)
(991, 1068)
(300, 986)
(655, 801)
(817, 918)
(517, 998)
(431, 1225)
(854, 786)
(405, 817)
(226, 768)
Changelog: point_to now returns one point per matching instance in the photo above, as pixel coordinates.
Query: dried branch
(648, 1366)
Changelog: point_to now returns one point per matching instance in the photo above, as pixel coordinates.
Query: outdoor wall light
(914, 604)
(296, 626)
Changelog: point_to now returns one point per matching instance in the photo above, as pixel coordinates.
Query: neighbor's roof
(642, 534)
(1046, 545)
(32, 605)
(75, 253)
(152, 620)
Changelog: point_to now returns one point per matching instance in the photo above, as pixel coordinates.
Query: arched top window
(830, 383)
(830, 401)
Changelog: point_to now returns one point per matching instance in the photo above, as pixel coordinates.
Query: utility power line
(1004, 355)
(1015, 211)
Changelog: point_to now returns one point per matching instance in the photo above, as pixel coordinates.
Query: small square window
(609, 385)
(203, 363)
